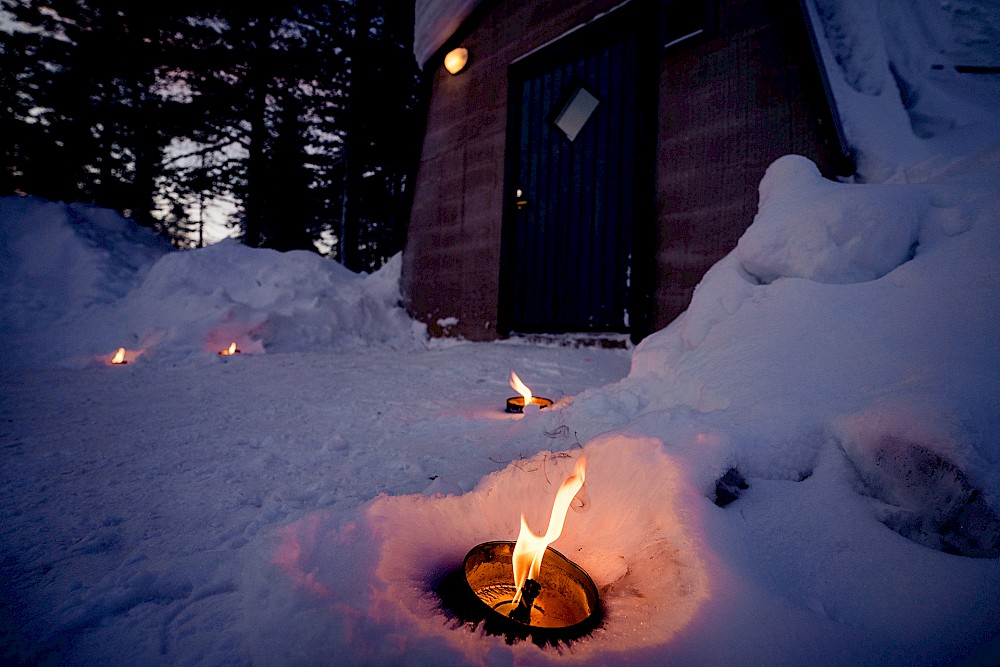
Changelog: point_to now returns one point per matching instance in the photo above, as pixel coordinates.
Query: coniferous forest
(295, 122)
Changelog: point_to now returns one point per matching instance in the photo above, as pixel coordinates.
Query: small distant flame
(119, 357)
(530, 548)
(231, 350)
(520, 387)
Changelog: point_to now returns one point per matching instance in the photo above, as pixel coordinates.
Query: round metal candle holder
(515, 404)
(567, 605)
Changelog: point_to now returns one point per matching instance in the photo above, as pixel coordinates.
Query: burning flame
(519, 387)
(530, 548)
(119, 357)
(232, 350)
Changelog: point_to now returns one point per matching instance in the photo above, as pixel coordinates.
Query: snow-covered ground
(297, 503)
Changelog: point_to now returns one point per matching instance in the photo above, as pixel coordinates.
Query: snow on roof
(910, 80)
(434, 22)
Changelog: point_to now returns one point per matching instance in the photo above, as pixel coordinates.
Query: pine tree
(165, 111)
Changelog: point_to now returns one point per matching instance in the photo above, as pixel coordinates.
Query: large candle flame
(520, 387)
(530, 548)
(119, 357)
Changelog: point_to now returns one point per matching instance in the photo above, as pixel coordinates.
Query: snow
(891, 66)
(297, 503)
(434, 22)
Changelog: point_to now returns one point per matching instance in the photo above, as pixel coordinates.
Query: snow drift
(99, 282)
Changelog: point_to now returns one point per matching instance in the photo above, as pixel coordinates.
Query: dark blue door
(576, 182)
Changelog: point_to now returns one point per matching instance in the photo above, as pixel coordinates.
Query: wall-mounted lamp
(455, 61)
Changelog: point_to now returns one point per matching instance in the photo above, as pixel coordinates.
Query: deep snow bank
(845, 313)
(56, 262)
(78, 282)
(199, 301)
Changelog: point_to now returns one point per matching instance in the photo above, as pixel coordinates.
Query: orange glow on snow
(290, 556)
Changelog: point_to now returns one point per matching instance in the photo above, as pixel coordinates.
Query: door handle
(520, 201)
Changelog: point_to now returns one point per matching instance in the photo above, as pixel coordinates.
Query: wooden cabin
(593, 159)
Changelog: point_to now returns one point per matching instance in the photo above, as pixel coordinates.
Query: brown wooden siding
(451, 263)
(727, 109)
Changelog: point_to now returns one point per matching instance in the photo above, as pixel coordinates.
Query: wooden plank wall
(451, 263)
(727, 109)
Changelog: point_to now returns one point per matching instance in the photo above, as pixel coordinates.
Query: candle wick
(522, 612)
